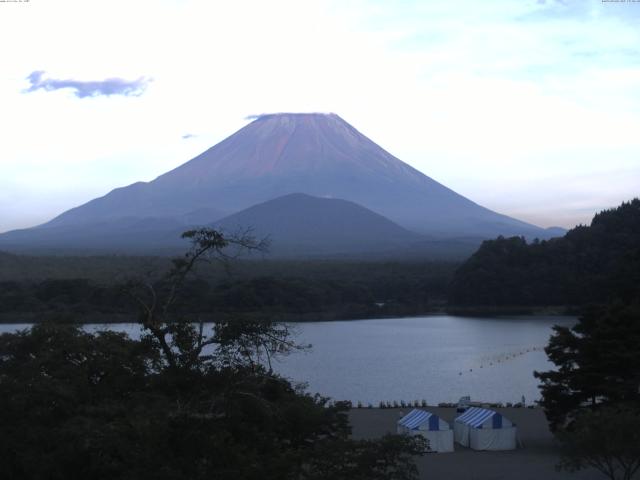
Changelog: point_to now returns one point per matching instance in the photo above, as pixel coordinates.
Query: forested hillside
(590, 264)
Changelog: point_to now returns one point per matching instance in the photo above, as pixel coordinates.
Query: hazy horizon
(528, 108)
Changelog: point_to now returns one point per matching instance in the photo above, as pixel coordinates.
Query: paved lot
(535, 460)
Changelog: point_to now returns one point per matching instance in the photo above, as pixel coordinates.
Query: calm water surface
(437, 358)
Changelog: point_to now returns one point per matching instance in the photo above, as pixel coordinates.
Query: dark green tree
(68, 400)
(597, 364)
(596, 263)
(607, 439)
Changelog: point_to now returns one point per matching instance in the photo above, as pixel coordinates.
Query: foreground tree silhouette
(592, 399)
(181, 342)
(180, 403)
(607, 440)
(597, 364)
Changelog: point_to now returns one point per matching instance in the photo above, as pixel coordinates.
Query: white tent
(430, 426)
(483, 429)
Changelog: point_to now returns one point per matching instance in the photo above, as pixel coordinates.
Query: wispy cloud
(92, 88)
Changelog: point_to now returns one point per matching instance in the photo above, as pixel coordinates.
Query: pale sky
(530, 108)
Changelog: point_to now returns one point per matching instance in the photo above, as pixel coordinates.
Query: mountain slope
(316, 154)
(116, 235)
(299, 224)
(276, 155)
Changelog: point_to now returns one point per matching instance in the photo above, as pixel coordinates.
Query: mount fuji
(274, 156)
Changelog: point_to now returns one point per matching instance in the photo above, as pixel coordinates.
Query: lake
(438, 358)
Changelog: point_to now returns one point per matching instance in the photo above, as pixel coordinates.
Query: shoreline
(524, 310)
(16, 318)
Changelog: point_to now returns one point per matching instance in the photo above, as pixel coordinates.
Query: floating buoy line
(496, 360)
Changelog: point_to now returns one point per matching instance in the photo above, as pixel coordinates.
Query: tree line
(351, 295)
(590, 264)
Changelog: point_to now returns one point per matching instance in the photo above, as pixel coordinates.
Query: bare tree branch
(180, 343)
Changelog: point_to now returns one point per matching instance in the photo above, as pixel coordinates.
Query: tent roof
(415, 418)
(475, 416)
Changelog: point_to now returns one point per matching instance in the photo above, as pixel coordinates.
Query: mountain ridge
(298, 223)
(278, 154)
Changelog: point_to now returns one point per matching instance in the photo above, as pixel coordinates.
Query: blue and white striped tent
(483, 429)
(430, 426)
(476, 417)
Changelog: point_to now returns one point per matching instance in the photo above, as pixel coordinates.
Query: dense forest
(590, 264)
(280, 290)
